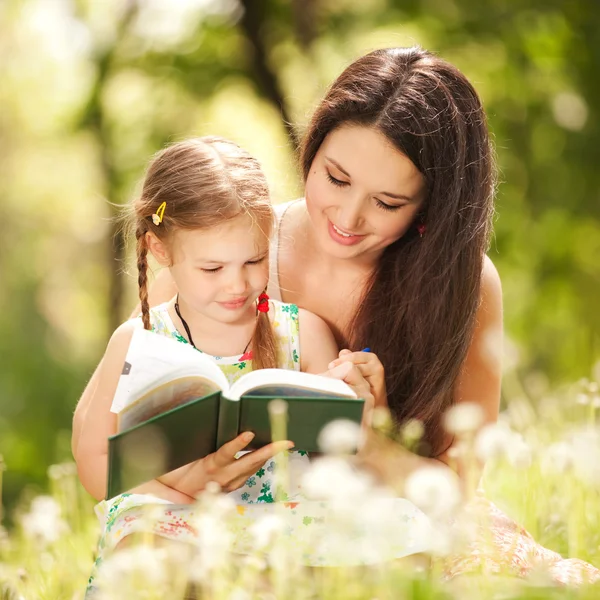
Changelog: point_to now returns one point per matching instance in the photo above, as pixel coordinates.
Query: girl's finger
(250, 463)
(226, 454)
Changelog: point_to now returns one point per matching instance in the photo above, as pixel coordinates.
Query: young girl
(204, 213)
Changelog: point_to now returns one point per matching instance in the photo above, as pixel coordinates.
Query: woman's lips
(343, 238)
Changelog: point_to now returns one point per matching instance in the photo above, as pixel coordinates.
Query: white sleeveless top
(274, 289)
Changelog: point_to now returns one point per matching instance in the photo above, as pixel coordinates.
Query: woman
(388, 246)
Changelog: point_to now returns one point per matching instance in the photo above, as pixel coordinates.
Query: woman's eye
(211, 270)
(385, 206)
(335, 181)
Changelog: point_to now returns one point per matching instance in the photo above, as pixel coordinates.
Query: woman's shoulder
(491, 286)
(281, 208)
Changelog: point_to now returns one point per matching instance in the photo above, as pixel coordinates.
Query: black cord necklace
(189, 333)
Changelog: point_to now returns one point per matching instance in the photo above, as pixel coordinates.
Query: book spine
(229, 420)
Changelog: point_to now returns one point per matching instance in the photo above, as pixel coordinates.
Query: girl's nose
(237, 283)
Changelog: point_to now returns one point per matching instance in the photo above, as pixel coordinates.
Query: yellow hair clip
(158, 216)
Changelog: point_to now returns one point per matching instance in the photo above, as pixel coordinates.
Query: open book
(174, 405)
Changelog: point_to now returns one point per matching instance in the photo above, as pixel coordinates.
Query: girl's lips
(344, 240)
(234, 304)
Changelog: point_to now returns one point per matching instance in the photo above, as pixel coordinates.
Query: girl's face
(221, 271)
(362, 194)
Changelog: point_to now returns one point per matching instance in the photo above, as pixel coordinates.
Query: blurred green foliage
(91, 89)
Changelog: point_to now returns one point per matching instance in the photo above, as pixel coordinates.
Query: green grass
(553, 491)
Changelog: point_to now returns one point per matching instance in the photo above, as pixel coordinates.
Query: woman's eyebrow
(395, 196)
(337, 164)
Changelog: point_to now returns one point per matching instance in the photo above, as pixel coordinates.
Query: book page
(164, 398)
(281, 382)
(154, 360)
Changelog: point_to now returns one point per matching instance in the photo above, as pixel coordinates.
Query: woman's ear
(158, 249)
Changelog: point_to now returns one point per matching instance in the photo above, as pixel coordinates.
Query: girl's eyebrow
(395, 196)
(204, 260)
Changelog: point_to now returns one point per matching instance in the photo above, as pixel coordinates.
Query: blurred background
(91, 89)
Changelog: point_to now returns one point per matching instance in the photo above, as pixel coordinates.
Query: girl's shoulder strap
(274, 288)
(287, 335)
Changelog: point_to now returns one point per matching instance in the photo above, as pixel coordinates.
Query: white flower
(463, 418)
(330, 478)
(557, 458)
(139, 563)
(493, 441)
(586, 456)
(519, 453)
(265, 530)
(44, 522)
(340, 437)
(434, 490)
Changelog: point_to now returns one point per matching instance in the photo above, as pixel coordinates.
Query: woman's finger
(355, 357)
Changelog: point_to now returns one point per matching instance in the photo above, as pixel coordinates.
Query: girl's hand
(351, 374)
(371, 369)
(222, 466)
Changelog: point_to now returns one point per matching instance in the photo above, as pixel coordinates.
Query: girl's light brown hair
(204, 182)
(418, 310)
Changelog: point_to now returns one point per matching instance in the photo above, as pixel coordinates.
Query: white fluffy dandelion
(435, 490)
(340, 437)
(43, 523)
(266, 530)
(493, 442)
(557, 458)
(463, 418)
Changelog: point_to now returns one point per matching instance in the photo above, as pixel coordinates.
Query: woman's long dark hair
(418, 310)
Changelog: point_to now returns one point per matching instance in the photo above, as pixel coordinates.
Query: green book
(174, 406)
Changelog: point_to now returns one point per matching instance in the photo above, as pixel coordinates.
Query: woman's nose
(350, 215)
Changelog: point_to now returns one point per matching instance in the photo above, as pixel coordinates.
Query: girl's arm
(162, 289)
(317, 344)
(94, 423)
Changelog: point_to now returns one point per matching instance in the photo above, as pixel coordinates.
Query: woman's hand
(222, 466)
(351, 374)
(370, 368)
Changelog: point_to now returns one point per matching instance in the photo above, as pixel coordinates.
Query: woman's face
(362, 194)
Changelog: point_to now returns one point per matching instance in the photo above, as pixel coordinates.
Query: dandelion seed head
(434, 490)
(582, 399)
(585, 446)
(492, 442)
(140, 562)
(557, 458)
(43, 522)
(463, 418)
(331, 478)
(519, 453)
(412, 431)
(340, 437)
(266, 530)
(277, 408)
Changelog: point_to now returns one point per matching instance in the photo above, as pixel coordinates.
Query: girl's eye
(385, 206)
(257, 261)
(335, 181)
(211, 270)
